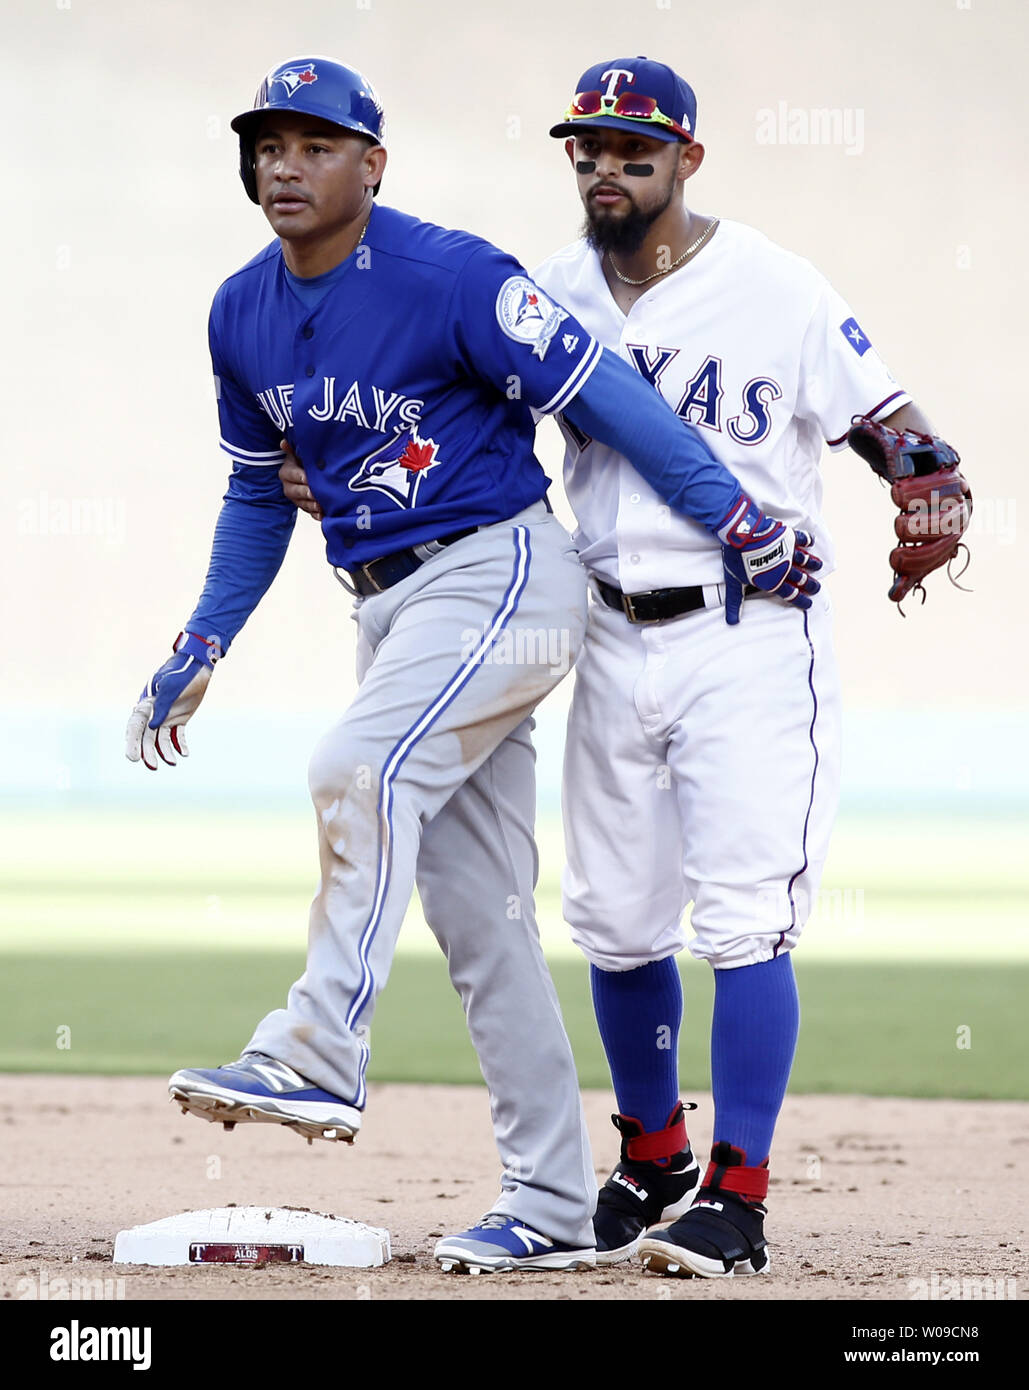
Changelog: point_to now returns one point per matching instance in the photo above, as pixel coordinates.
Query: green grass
(160, 939)
(942, 891)
(870, 1028)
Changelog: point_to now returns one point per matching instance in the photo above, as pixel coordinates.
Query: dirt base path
(869, 1198)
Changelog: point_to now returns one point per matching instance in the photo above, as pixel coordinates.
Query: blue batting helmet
(317, 87)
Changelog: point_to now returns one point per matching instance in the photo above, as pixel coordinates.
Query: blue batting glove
(171, 696)
(762, 552)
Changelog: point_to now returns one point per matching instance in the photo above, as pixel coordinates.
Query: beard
(622, 235)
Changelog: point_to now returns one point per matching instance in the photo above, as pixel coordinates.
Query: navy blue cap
(634, 77)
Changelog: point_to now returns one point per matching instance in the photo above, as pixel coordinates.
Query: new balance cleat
(642, 1191)
(260, 1089)
(500, 1243)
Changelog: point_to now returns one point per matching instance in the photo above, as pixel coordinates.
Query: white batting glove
(155, 731)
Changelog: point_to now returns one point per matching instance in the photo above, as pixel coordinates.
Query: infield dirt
(869, 1198)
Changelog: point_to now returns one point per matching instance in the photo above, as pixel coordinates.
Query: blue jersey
(406, 391)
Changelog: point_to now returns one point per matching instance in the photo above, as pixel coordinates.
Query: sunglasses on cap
(630, 106)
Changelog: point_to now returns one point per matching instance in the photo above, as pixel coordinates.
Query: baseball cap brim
(651, 130)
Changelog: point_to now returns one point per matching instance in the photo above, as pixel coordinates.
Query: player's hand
(155, 729)
(294, 483)
(762, 552)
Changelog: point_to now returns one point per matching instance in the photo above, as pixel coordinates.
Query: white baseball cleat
(258, 1088)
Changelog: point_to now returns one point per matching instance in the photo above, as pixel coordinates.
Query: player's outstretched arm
(250, 542)
(618, 407)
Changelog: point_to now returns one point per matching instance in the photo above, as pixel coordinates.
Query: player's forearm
(250, 543)
(622, 410)
(909, 417)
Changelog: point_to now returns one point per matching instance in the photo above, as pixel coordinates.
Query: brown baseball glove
(935, 500)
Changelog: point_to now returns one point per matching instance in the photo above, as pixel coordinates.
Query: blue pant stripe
(395, 760)
(814, 774)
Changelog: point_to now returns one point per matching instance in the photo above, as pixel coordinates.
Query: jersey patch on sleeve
(854, 336)
(526, 314)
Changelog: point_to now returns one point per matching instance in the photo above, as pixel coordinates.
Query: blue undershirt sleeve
(618, 407)
(250, 543)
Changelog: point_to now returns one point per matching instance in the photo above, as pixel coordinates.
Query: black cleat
(641, 1192)
(721, 1236)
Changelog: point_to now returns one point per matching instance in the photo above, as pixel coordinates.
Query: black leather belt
(378, 575)
(656, 605)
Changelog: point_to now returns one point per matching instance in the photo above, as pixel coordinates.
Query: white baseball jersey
(750, 344)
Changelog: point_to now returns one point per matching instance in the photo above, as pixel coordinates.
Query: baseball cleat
(642, 1192)
(261, 1089)
(501, 1243)
(722, 1235)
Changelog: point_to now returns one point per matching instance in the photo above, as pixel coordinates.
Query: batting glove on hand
(762, 552)
(172, 695)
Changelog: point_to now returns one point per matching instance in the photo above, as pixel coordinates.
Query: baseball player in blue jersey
(402, 363)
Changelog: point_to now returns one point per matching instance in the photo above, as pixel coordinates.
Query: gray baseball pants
(430, 777)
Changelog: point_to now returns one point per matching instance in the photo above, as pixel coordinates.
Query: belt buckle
(370, 578)
(629, 608)
(345, 577)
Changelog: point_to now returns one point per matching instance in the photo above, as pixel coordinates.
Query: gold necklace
(694, 246)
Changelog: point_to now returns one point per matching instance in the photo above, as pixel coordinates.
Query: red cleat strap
(749, 1183)
(663, 1143)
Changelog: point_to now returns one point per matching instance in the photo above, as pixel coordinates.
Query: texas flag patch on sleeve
(855, 337)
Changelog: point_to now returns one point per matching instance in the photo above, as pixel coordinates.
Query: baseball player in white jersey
(435, 518)
(684, 779)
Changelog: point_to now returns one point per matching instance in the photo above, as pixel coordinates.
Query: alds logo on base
(526, 314)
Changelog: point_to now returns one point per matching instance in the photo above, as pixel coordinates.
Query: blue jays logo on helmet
(398, 467)
(316, 87)
(292, 78)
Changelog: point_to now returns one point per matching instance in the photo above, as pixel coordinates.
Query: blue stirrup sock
(639, 1013)
(753, 1039)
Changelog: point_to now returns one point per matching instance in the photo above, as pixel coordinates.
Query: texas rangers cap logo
(398, 467)
(526, 314)
(295, 78)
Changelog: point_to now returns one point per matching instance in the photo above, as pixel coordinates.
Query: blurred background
(157, 917)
